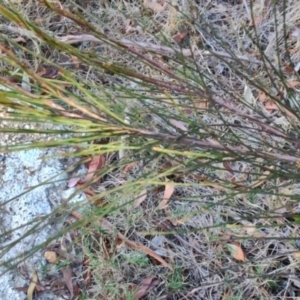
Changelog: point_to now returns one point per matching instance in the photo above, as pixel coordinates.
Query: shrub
(187, 117)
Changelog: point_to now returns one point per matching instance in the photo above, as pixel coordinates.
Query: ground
(205, 230)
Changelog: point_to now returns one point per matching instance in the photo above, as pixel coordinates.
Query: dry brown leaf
(271, 105)
(227, 294)
(288, 69)
(188, 111)
(293, 83)
(179, 124)
(257, 20)
(169, 190)
(296, 255)
(156, 6)
(179, 37)
(145, 287)
(73, 181)
(75, 61)
(142, 248)
(47, 71)
(236, 251)
(127, 169)
(96, 163)
(133, 245)
(51, 257)
(141, 198)
(76, 215)
(32, 285)
(262, 96)
(88, 191)
(202, 104)
(67, 274)
(19, 39)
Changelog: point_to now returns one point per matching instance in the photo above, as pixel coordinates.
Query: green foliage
(175, 280)
(193, 113)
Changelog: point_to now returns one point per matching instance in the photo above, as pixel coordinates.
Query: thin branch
(210, 144)
(72, 39)
(253, 117)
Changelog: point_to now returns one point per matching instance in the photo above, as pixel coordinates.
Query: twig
(186, 52)
(254, 117)
(210, 144)
(72, 39)
(19, 30)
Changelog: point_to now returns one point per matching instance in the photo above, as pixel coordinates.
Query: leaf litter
(32, 286)
(169, 190)
(236, 251)
(140, 199)
(145, 286)
(67, 276)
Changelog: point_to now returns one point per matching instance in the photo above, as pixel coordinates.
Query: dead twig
(73, 39)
